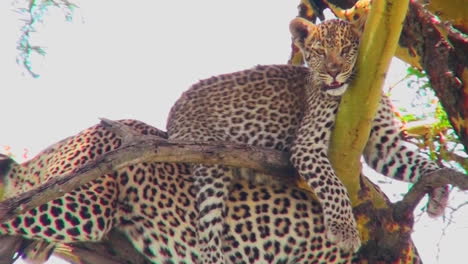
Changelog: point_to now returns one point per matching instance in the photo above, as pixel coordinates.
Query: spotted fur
(288, 108)
(153, 204)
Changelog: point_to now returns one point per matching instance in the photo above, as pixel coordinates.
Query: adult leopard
(292, 109)
(153, 204)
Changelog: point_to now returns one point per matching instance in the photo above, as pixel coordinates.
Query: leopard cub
(282, 107)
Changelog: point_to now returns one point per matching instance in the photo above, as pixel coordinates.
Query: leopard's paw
(438, 200)
(344, 234)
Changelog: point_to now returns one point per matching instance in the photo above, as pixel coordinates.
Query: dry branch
(149, 149)
(9, 245)
(114, 249)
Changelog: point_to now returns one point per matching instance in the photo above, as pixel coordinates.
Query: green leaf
(412, 71)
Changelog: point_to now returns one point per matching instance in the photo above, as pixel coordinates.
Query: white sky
(132, 59)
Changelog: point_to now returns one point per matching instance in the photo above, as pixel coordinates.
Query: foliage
(428, 125)
(34, 12)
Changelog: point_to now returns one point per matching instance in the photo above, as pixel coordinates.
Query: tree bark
(444, 57)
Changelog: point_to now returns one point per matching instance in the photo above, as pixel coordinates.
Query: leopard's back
(260, 106)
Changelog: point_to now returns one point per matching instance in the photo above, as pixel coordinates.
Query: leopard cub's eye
(345, 50)
(320, 52)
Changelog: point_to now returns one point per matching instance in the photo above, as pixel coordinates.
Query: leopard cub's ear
(300, 29)
(358, 25)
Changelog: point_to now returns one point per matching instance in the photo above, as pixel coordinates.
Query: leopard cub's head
(330, 49)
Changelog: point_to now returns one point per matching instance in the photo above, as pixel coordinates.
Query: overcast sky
(132, 59)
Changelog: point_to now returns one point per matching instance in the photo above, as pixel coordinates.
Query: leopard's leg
(211, 183)
(211, 188)
(154, 240)
(309, 157)
(85, 214)
(388, 153)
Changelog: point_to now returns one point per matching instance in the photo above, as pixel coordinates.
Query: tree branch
(9, 245)
(149, 149)
(114, 249)
(439, 178)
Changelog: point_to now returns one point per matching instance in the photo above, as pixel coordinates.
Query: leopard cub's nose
(333, 68)
(333, 72)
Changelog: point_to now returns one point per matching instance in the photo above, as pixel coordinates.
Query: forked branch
(439, 178)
